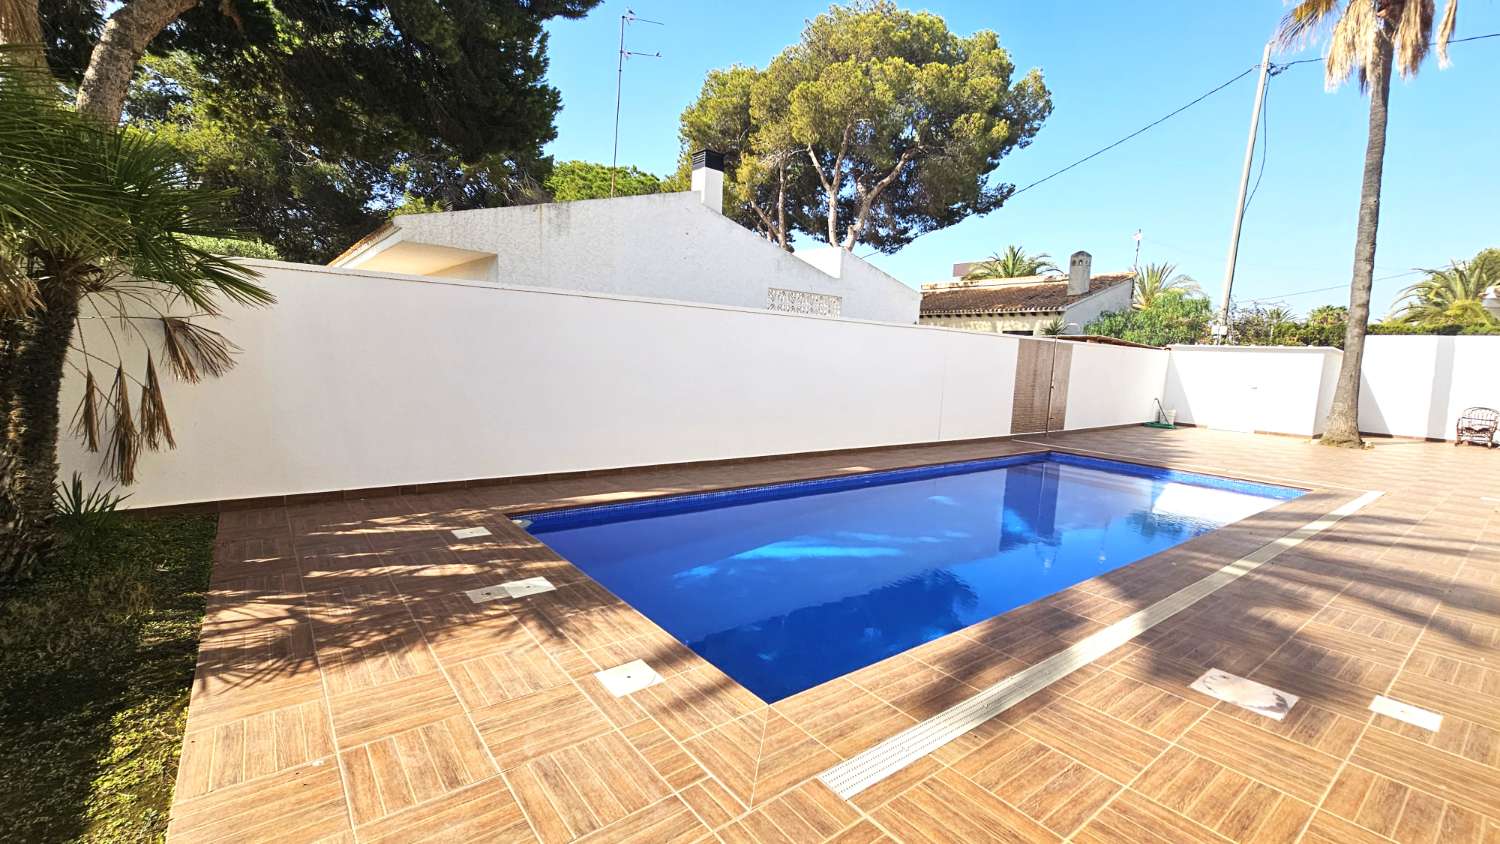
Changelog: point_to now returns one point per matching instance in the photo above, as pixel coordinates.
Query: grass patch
(96, 662)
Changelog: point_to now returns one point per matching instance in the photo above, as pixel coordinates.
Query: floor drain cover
(511, 589)
(470, 533)
(628, 678)
(1406, 713)
(1246, 694)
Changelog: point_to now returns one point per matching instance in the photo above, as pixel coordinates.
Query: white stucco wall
(1238, 388)
(358, 379)
(1417, 386)
(664, 246)
(1085, 311)
(1113, 385)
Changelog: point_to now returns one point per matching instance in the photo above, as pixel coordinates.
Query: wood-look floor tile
(537, 724)
(712, 802)
(369, 714)
(1145, 707)
(518, 669)
(1470, 785)
(731, 753)
(1047, 786)
(693, 702)
(233, 752)
(788, 756)
(947, 807)
(585, 787)
(1132, 818)
(484, 811)
(664, 754)
(1230, 803)
(1104, 744)
(255, 669)
(668, 821)
(411, 767)
(1282, 763)
(301, 804)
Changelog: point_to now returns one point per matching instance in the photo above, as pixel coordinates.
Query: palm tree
(1014, 263)
(94, 224)
(1453, 295)
(1152, 280)
(1368, 39)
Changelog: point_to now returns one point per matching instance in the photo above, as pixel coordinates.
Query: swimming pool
(787, 586)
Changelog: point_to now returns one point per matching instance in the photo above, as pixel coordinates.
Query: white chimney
(708, 178)
(1080, 269)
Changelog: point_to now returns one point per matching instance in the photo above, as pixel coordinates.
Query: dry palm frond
(1304, 23)
(155, 426)
(18, 291)
(124, 440)
(86, 418)
(1411, 33)
(193, 351)
(1352, 49)
(1445, 31)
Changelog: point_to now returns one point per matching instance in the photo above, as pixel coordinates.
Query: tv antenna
(628, 18)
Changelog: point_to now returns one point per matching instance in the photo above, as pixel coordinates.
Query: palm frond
(193, 352)
(1304, 23)
(124, 440)
(86, 417)
(1411, 35)
(155, 426)
(1352, 47)
(1445, 31)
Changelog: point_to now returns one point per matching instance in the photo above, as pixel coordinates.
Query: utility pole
(628, 17)
(1221, 329)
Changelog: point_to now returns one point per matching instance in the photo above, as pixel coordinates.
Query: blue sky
(1112, 68)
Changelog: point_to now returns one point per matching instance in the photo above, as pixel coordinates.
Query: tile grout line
(1370, 718)
(891, 755)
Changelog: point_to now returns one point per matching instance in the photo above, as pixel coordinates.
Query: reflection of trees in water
(779, 656)
(1030, 506)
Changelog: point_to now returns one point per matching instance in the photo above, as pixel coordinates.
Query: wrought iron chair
(1478, 425)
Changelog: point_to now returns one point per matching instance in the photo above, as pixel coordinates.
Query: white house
(674, 246)
(1029, 304)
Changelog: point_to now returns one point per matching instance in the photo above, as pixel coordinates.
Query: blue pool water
(788, 586)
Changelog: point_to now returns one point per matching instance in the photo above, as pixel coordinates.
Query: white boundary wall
(356, 379)
(1410, 386)
(1113, 385)
(1276, 389)
(1417, 386)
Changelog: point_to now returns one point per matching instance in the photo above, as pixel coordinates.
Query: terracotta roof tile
(983, 297)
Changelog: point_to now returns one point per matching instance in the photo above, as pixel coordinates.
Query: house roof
(1009, 296)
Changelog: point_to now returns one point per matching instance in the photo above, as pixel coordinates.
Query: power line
(1153, 124)
(1333, 287)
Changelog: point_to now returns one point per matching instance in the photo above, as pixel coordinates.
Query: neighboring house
(1029, 304)
(675, 246)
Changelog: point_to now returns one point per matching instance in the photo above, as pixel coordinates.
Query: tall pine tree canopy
(325, 115)
(877, 126)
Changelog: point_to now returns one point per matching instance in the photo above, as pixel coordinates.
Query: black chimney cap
(711, 159)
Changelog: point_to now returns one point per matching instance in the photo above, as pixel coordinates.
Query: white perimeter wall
(1417, 386)
(362, 380)
(1244, 388)
(662, 246)
(1113, 385)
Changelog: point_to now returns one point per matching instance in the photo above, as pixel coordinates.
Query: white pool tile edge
(860, 772)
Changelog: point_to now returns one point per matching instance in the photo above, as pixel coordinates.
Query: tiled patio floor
(347, 690)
